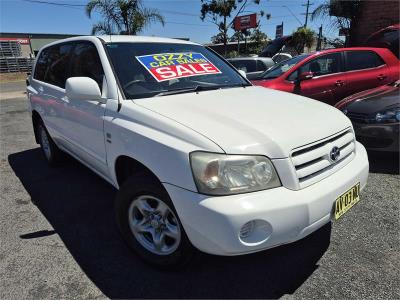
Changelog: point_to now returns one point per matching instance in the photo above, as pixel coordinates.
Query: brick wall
(374, 15)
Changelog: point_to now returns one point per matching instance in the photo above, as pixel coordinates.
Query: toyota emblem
(335, 153)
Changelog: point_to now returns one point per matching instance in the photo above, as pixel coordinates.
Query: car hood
(264, 82)
(375, 101)
(251, 120)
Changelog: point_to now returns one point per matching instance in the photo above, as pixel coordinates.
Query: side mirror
(82, 88)
(306, 76)
(243, 73)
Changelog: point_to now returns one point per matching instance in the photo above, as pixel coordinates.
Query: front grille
(360, 118)
(313, 162)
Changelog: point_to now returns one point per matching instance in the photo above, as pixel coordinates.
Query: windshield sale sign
(167, 66)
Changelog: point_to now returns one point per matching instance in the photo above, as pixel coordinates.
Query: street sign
(279, 31)
(245, 22)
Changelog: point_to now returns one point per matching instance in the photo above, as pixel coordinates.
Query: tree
(217, 39)
(237, 36)
(259, 39)
(343, 12)
(122, 16)
(301, 38)
(220, 13)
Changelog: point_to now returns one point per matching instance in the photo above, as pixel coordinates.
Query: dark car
(375, 115)
(252, 66)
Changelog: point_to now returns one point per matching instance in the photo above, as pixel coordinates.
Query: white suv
(201, 158)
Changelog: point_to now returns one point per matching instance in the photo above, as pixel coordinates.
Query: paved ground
(58, 239)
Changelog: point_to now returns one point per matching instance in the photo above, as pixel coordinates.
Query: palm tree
(344, 12)
(122, 16)
(302, 37)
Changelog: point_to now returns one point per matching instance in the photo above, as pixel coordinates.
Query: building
(32, 42)
(372, 16)
(17, 50)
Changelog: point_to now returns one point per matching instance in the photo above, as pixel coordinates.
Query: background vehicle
(387, 37)
(252, 66)
(275, 46)
(334, 74)
(375, 115)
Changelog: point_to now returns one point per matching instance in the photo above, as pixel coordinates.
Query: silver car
(252, 66)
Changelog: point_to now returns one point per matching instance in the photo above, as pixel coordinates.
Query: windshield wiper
(195, 89)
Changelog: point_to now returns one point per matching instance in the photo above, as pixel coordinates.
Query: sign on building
(22, 41)
(245, 22)
(279, 31)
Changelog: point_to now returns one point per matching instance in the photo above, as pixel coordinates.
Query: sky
(182, 18)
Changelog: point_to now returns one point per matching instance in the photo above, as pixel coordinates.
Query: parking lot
(58, 237)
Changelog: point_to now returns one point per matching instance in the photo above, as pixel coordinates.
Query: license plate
(346, 201)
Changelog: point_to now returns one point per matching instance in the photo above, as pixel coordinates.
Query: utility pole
(319, 43)
(307, 13)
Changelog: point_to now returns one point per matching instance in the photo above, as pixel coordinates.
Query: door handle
(339, 83)
(41, 89)
(381, 76)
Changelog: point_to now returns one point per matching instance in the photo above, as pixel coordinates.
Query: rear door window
(53, 64)
(359, 60)
(86, 62)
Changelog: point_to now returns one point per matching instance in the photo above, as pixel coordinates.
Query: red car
(331, 75)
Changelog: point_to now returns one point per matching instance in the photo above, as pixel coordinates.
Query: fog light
(247, 229)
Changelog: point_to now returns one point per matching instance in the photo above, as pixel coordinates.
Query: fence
(11, 59)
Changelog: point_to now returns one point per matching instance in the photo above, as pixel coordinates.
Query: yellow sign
(347, 200)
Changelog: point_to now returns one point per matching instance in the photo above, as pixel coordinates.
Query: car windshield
(159, 69)
(282, 67)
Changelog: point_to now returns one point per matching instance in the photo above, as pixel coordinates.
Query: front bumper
(282, 216)
(378, 137)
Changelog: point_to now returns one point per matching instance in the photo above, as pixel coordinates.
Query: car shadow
(79, 206)
(384, 162)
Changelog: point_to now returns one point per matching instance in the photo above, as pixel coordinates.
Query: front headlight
(221, 174)
(388, 116)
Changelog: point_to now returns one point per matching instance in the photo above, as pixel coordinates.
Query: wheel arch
(126, 166)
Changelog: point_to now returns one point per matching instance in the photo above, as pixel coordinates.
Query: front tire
(149, 223)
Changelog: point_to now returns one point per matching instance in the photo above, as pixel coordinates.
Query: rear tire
(149, 223)
(50, 151)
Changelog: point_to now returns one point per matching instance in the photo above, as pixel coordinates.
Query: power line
(66, 5)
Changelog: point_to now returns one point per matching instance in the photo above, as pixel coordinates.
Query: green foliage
(122, 16)
(232, 54)
(302, 37)
(259, 39)
(217, 39)
(222, 13)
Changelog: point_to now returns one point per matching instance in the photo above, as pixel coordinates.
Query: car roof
(312, 54)
(141, 39)
(121, 39)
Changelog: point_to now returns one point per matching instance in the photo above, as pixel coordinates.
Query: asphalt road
(58, 239)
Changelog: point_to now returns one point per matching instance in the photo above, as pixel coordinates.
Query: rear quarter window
(359, 60)
(41, 65)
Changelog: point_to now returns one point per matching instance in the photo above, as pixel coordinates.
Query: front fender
(157, 142)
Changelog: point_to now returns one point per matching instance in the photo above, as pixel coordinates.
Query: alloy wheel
(154, 225)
